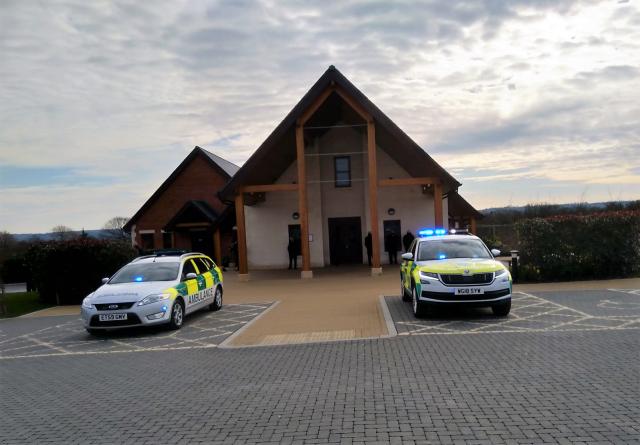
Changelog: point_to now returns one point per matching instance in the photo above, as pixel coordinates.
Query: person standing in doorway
(393, 245)
(367, 245)
(407, 239)
(292, 248)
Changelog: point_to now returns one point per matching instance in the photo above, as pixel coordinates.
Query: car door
(407, 265)
(193, 288)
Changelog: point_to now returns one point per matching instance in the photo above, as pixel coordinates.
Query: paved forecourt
(49, 336)
(567, 311)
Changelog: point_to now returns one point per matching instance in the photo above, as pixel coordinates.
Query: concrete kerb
(391, 326)
(226, 343)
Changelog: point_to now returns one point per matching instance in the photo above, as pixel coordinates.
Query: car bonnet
(460, 265)
(126, 292)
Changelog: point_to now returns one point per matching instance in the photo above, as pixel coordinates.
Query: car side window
(414, 248)
(203, 265)
(187, 269)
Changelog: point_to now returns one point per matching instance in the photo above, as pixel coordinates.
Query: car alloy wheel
(177, 315)
(414, 300)
(217, 300)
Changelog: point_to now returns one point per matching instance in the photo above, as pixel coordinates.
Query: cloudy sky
(522, 101)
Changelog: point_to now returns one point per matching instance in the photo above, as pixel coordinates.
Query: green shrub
(67, 271)
(571, 247)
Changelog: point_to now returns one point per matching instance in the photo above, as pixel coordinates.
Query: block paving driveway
(563, 368)
(68, 337)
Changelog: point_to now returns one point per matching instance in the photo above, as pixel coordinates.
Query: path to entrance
(340, 303)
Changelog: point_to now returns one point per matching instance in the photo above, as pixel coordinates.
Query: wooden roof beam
(408, 181)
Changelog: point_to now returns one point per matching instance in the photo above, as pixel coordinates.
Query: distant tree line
(511, 215)
(68, 267)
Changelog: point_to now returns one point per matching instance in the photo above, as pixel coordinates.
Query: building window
(342, 166)
(147, 241)
(167, 240)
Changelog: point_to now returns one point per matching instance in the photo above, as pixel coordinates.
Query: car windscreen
(131, 273)
(452, 248)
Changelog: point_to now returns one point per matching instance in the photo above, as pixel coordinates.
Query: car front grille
(113, 306)
(448, 296)
(132, 319)
(463, 280)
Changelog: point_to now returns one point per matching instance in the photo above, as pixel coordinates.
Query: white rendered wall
(267, 222)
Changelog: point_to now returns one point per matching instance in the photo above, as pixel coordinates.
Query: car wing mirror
(407, 256)
(105, 280)
(495, 252)
(191, 276)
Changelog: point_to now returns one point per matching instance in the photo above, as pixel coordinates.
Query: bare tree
(116, 227)
(62, 232)
(7, 240)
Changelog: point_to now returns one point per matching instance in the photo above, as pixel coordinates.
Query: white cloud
(126, 89)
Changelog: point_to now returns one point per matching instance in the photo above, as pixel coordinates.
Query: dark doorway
(345, 241)
(392, 234)
(202, 241)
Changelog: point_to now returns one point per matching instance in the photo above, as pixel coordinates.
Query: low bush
(64, 272)
(572, 247)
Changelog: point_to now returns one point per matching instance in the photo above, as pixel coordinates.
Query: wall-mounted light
(295, 215)
(391, 211)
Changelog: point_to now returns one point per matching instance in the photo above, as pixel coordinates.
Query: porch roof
(460, 207)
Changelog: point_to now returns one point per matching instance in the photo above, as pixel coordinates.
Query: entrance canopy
(192, 214)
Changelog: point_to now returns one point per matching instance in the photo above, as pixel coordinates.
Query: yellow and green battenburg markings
(202, 282)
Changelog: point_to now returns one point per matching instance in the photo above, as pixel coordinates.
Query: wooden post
(243, 269)
(473, 225)
(373, 198)
(302, 204)
(217, 250)
(437, 205)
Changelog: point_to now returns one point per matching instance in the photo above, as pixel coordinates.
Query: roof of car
(165, 258)
(447, 237)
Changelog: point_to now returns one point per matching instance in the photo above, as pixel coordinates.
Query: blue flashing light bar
(442, 256)
(138, 279)
(432, 232)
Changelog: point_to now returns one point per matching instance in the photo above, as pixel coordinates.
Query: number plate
(469, 291)
(112, 317)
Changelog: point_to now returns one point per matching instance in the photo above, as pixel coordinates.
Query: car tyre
(403, 291)
(217, 300)
(502, 309)
(418, 306)
(177, 315)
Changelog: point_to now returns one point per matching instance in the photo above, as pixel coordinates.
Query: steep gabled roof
(224, 167)
(275, 153)
(229, 167)
(460, 207)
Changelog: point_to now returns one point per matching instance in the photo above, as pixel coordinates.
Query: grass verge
(21, 303)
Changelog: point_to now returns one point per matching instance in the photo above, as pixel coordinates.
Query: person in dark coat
(292, 248)
(407, 239)
(367, 244)
(393, 245)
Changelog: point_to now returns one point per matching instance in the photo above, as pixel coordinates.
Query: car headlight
(154, 298)
(428, 275)
(86, 303)
(500, 272)
(425, 277)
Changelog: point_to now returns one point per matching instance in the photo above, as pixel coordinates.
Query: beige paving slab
(338, 304)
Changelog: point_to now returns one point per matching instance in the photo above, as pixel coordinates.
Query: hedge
(64, 272)
(572, 247)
